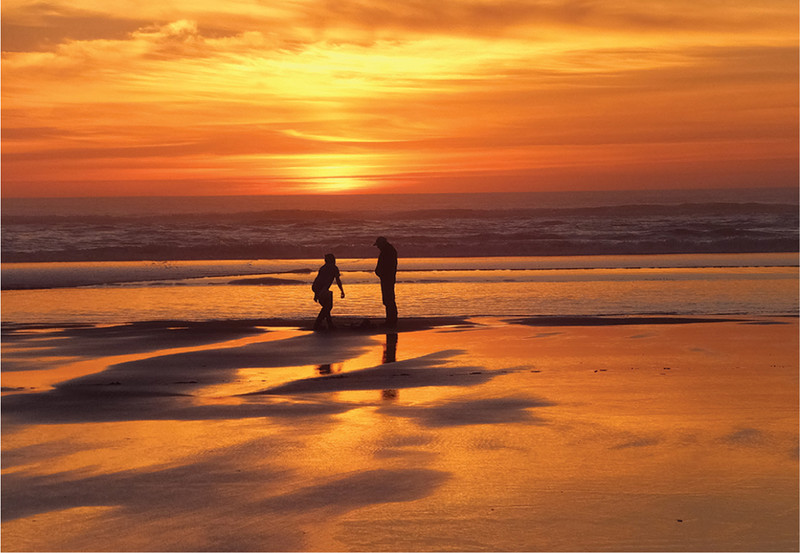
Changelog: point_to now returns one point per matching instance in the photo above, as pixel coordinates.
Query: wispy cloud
(389, 92)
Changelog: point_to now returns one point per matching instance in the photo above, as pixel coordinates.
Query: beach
(569, 373)
(541, 433)
(400, 276)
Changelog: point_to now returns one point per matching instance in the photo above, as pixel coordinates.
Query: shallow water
(758, 284)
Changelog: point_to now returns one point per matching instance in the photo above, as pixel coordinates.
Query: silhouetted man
(325, 277)
(387, 272)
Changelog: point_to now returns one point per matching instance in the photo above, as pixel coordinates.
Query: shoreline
(373, 325)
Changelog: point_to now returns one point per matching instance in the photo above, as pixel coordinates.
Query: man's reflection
(390, 348)
(390, 356)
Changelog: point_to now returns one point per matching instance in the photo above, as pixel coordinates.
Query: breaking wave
(436, 232)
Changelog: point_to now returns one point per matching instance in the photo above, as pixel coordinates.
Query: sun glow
(333, 179)
(337, 184)
(212, 100)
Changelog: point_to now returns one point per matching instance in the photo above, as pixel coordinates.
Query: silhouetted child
(322, 293)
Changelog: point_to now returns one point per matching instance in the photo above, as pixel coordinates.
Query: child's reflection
(328, 368)
(389, 356)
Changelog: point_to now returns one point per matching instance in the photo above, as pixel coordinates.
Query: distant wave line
(283, 215)
(31, 276)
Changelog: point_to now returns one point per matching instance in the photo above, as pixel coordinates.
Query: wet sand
(541, 433)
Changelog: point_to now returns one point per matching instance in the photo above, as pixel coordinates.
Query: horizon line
(362, 193)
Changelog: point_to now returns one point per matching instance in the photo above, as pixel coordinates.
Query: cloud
(43, 26)
(177, 39)
(379, 19)
(280, 91)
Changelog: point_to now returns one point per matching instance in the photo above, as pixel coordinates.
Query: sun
(338, 184)
(335, 179)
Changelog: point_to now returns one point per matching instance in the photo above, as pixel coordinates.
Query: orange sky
(198, 97)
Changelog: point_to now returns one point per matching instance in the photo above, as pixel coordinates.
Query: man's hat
(380, 240)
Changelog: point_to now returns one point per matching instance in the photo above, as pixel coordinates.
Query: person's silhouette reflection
(390, 348)
(328, 368)
(390, 356)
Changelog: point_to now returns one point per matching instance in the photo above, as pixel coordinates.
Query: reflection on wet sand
(504, 438)
(390, 348)
(329, 368)
(390, 395)
(390, 356)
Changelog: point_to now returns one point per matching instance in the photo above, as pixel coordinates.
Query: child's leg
(325, 313)
(320, 318)
(329, 308)
(328, 317)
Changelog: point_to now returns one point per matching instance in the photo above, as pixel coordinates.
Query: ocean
(114, 260)
(436, 225)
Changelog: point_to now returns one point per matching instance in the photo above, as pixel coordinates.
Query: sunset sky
(202, 97)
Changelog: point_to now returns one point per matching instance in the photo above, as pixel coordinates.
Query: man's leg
(387, 290)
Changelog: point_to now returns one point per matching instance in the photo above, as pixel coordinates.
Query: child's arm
(339, 283)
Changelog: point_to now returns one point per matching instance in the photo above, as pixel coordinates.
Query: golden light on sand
(497, 436)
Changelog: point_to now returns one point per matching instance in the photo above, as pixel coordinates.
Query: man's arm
(339, 283)
(384, 266)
